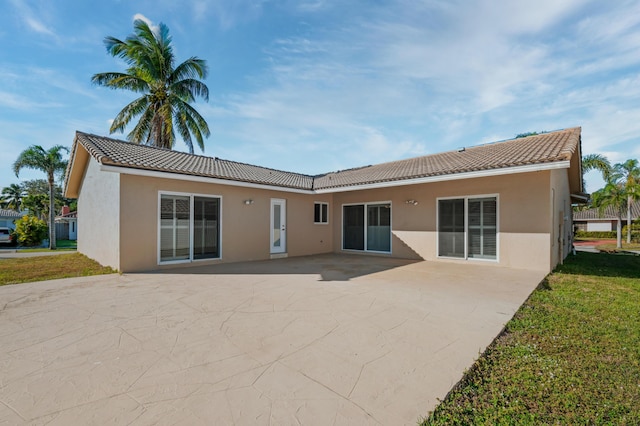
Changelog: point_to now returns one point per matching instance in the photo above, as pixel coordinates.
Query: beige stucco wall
(531, 208)
(245, 228)
(524, 223)
(98, 222)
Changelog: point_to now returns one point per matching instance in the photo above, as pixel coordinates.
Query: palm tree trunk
(629, 202)
(52, 214)
(619, 232)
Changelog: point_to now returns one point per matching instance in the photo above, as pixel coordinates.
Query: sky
(313, 86)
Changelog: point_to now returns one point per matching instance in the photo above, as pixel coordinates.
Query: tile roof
(125, 154)
(608, 213)
(544, 148)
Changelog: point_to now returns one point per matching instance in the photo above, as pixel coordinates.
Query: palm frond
(129, 112)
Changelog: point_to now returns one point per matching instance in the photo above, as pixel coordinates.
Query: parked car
(6, 235)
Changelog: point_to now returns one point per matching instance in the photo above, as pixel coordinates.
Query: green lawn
(40, 268)
(571, 354)
(60, 245)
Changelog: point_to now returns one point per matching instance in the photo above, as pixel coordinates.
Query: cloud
(31, 19)
(140, 16)
(228, 14)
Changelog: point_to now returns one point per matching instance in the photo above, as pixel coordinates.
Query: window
(320, 212)
(189, 227)
(367, 232)
(468, 228)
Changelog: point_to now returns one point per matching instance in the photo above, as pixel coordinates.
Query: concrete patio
(317, 340)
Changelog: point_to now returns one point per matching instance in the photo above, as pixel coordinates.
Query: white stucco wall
(98, 224)
(600, 226)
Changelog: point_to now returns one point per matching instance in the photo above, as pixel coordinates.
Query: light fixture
(247, 202)
(412, 202)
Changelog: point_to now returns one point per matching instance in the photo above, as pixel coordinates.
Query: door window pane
(353, 227)
(451, 228)
(482, 228)
(174, 227)
(379, 227)
(276, 225)
(206, 228)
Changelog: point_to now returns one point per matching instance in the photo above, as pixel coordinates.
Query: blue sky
(318, 85)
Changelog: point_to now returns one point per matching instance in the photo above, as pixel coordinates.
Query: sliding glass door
(468, 228)
(189, 227)
(367, 227)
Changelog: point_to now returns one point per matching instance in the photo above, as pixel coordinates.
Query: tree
(527, 134)
(630, 177)
(12, 196)
(167, 92)
(50, 162)
(597, 162)
(37, 205)
(612, 195)
(36, 198)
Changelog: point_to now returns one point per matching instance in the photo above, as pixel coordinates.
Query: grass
(62, 245)
(40, 268)
(570, 355)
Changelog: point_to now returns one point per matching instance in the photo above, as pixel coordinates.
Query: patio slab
(320, 340)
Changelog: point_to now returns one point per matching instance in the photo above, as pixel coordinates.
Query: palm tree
(12, 196)
(612, 195)
(166, 91)
(597, 162)
(50, 162)
(630, 174)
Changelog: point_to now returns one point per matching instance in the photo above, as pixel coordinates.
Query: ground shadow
(330, 267)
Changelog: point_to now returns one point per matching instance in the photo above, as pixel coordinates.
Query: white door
(278, 226)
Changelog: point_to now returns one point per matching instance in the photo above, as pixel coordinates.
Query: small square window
(321, 213)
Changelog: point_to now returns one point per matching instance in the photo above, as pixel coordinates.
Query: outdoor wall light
(248, 202)
(413, 202)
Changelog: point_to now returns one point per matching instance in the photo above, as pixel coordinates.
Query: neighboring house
(7, 218)
(594, 220)
(67, 224)
(506, 203)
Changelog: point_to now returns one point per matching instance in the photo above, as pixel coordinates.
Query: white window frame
(326, 219)
(366, 219)
(466, 199)
(191, 196)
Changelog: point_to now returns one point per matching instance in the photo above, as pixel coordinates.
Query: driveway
(316, 340)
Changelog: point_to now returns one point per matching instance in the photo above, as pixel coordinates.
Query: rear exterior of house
(148, 209)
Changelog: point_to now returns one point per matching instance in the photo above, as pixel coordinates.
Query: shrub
(31, 230)
(635, 231)
(595, 234)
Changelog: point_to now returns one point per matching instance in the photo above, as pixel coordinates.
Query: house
(67, 224)
(506, 204)
(607, 220)
(8, 217)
